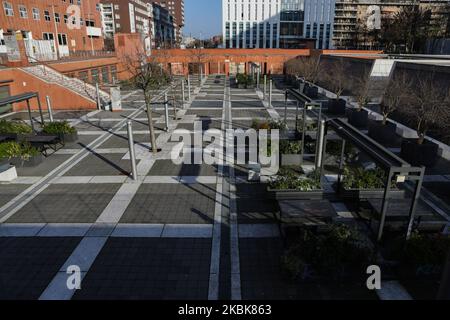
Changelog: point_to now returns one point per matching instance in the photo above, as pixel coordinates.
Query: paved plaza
(186, 231)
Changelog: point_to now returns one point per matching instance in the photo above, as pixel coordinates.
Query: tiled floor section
(172, 204)
(67, 204)
(27, 265)
(149, 269)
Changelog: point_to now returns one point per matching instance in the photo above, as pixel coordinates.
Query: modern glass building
(277, 23)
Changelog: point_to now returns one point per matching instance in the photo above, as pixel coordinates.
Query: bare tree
(397, 93)
(306, 67)
(146, 75)
(361, 89)
(428, 105)
(199, 56)
(337, 77)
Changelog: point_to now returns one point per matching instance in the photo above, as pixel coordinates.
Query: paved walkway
(189, 231)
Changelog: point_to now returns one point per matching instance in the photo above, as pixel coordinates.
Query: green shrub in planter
(358, 178)
(290, 147)
(422, 254)
(339, 252)
(14, 127)
(22, 151)
(63, 129)
(59, 128)
(290, 181)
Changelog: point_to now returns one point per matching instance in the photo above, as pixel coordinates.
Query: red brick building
(69, 26)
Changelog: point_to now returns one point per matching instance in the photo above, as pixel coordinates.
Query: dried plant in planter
(398, 92)
(338, 81)
(428, 107)
(359, 117)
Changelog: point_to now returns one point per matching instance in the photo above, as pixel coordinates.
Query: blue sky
(203, 17)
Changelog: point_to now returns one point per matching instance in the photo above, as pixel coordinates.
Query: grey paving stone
(168, 168)
(82, 143)
(67, 204)
(247, 103)
(172, 204)
(48, 165)
(212, 113)
(121, 140)
(64, 115)
(96, 125)
(101, 165)
(149, 269)
(250, 114)
(10, 191)
(207, 104)
(27, 265)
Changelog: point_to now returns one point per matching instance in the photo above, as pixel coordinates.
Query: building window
(105, 74)
(47, 36)
(35, 13)
(23, 12)
(62, 39)
(83, 76)
(95, 76)
(8, 9)
(47, 16)
(57, 19)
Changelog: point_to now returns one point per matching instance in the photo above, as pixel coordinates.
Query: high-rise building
(49, 27)
(276, 23)
(176, 10)
(354, 17)
(146, 17)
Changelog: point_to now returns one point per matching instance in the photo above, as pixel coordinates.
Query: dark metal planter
(425, 154)
(32, 162)
(358, 119)
(68, 137)
(337, 107)
(384, 134)
(291, 159)
(295, 194)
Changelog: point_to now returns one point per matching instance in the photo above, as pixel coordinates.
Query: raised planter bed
(384, 134)
(368, 193)
(311, 91)
(337, 107)
(295, 194)
(291, 159)
(425, 154)
(358, 119)
(31, 162)
(68, 137)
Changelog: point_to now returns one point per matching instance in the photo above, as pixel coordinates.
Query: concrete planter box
(295, 194)
(384, 134)
(32, 162)
(250, 86)
(68, 137)
(425, 154)
(369, 193)
(241, 86)
(358, 119)
(337, 107)
(291, 159)
(8, 172)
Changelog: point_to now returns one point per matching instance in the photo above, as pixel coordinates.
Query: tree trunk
(154, 148)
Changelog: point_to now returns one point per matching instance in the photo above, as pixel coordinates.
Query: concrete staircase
(81, 88)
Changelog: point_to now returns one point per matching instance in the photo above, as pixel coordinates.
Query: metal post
(270, 92)
(30, 115)
(320, 143)
(385, 204)
(258, 75)
(40, 109)
(189, 88)
(341, 163)
(303, 134)
(49, 108)
(296, 115)
(415, 198)
(183, 96)
(285, 107)
(166, 110)
(97, 91)
(132, 153)
(265, 87)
